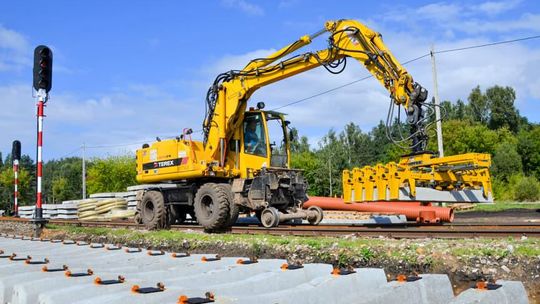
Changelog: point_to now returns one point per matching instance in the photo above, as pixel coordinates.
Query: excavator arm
(420, 176)
(227, 97)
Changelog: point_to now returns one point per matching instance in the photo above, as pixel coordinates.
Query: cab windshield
(254, 136)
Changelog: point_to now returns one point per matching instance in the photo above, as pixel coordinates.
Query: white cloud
(497, 7)
(13, 50)
(245, 6)
(140, 114)
(439, 11)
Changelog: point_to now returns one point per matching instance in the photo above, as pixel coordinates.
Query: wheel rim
(268, 218)
(148, 211)
(206, 206)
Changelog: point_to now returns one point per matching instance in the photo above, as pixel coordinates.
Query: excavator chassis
(275, 195)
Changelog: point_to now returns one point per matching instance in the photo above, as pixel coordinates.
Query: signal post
(42, 84)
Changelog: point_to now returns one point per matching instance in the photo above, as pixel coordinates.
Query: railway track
(409, 230)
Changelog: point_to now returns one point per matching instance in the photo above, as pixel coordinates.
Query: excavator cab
(265, 142)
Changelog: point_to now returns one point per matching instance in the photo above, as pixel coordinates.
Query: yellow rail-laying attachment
(422, 178)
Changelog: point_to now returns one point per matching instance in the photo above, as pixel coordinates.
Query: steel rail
(409, 230)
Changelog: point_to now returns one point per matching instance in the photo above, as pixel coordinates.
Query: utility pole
(84, 171)
(330, 173)
(437, 103)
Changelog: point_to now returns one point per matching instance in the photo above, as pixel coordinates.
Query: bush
(527, 189)
(502, 191)
(506, 161)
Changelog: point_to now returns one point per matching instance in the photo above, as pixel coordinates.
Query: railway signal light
(16, 151)
(43, 59)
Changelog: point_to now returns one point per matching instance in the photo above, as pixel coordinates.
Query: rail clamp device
(422, 178)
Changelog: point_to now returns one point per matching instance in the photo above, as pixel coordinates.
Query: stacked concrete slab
(50, 211)
(67, 210)
(193, 276)
(129, 196)
(26, 211)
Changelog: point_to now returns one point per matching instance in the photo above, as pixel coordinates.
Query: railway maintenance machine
(242, 165)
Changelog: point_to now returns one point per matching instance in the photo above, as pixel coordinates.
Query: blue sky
(128, 71)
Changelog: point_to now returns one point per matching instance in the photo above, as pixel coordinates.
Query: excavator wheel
(233, 208)
(153, 211)
(212, 206)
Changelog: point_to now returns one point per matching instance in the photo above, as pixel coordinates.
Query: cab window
(254, 136)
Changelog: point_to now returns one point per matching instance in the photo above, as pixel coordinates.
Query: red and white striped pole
(16, 156)
(42, 98)
(42, 84)
(16, 193)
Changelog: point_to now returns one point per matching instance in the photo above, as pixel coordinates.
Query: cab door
(254, 144)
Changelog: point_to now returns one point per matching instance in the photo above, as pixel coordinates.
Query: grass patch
(502, 206)
(326, 248)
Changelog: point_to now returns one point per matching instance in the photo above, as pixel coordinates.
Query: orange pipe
(411, 210)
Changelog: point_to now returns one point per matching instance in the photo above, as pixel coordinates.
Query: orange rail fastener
(88, 272)
(484, 286)
(180, 255)
(99, 281)
(336, 271)
(287, 266)
(137, 289)
(208, 298)
(29, 261)
(216, 258)
(403, 278)
(251, 260)
(46, 269)
(155, 252)
(132, 250)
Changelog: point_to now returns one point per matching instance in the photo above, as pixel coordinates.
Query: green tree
(68, 169)
(479, 106)
(529, 149)
(61, 189)
(503, 113)
(298, 144)
(506, 161)
(463, 137)
(112, 174)
(7, 188)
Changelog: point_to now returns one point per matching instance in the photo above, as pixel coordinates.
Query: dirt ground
(514, 216)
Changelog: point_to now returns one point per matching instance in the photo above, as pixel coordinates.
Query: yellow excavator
(243, 162)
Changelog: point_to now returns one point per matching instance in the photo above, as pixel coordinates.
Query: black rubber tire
(138, 218)
(234, 211)
(153, 211)
(212, 206)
